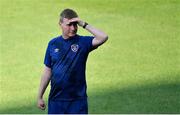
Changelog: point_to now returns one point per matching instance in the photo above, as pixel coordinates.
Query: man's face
(69, 28)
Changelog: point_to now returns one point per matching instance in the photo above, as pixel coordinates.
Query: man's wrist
(85, 24)
(40, 97)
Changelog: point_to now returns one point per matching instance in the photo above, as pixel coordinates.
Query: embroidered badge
(56, 50)
(74, 47)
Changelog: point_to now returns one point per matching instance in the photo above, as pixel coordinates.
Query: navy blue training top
(67, 60)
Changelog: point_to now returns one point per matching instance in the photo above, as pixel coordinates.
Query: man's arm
(99, 36)
(43, 85)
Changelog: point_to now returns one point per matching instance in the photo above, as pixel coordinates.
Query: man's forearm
(98, 34)
(44, 82)
(43, 85)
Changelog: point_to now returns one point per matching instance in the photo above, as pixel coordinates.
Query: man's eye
(74, 24)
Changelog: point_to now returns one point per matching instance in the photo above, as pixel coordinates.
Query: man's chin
(71, 35)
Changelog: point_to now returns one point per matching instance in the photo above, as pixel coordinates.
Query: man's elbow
(105, 38)
(100, 40)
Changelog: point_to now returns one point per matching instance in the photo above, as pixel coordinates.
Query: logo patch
(74, 47)
(56, 50)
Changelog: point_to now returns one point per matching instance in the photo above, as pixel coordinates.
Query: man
(65, 63)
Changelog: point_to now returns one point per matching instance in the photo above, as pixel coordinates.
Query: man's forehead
(66, 19)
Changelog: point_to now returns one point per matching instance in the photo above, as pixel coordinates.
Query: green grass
(136, 71)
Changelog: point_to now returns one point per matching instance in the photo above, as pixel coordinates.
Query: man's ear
(60, 23)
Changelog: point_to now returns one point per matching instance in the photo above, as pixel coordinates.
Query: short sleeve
(47, 59)
(88, 40)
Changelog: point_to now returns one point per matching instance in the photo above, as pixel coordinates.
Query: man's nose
(73, 27)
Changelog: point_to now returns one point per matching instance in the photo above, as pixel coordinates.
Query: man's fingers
(41, 105)
(74, 20)
(68, 21)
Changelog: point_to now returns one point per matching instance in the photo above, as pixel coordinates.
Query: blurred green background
(136, 71)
